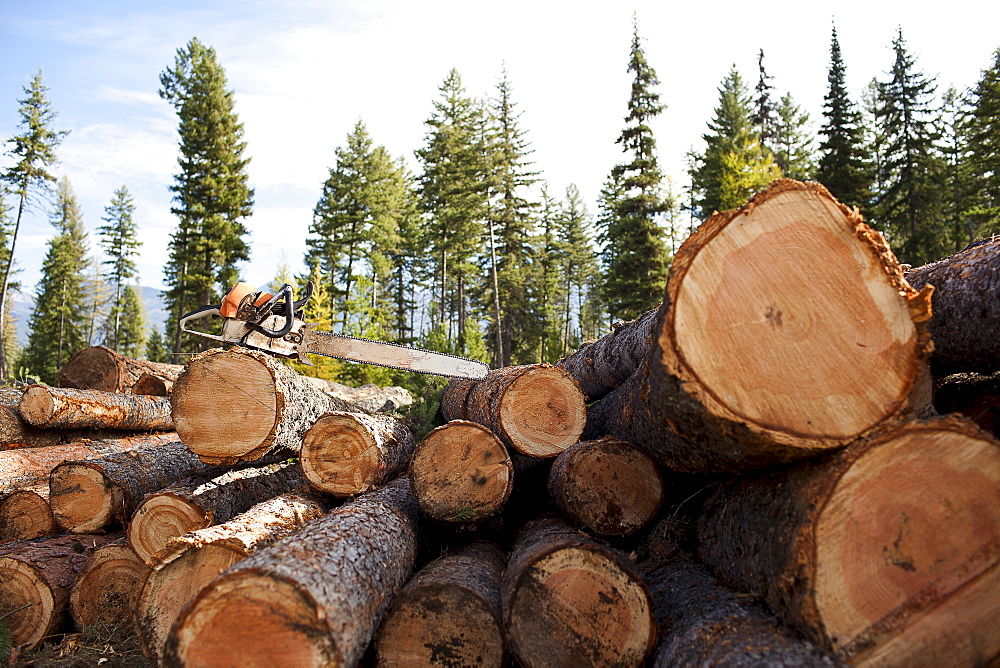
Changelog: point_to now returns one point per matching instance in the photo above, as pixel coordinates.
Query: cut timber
(449, 613)
(204, 500)
(67, 408)
(313, 598)
(238, 405)
(966, 309)
(190, 562)
(760, 358)
(974, 396)
(16, 432)
(607, 486)
(101, 368)
(26, 514)
(887, 552)
(106, 589)
(461, 472)
(570, 601)
(536, 409)
(36, 578)
(87, 495)
(345, 454)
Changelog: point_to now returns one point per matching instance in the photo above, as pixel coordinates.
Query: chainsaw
(273, 324)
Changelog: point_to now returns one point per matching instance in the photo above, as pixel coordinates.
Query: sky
(304, 72)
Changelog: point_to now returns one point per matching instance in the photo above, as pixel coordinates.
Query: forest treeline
(472, 252)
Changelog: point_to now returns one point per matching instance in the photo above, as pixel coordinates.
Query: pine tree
(125, 327)
(765, 117)
(407, 259)
(157, 347)
(792, 145)
(961, 191)
(984, 147)
(579, 266)
(120, 242)
(549, 288)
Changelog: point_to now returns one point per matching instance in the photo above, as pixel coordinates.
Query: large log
(887, 552)
(238, 405)
(315, 597)
(105, 592)
(570, 601)
(68, 408)
(104, 369)
(25, 514)
(760, 359)
(449, 613)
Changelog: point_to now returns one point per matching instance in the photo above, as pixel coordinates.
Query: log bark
(570, 601)
(607, 486)
(448, 614)
(887, 552)
(15, 432)
(759, 359)
(26, 514)
(966, 309)
(536, 409)
(67, 408)
(190, 562)
(314, 598)
(345, 454)
(37, 576)
(104, 369)
(368, 397)
(106, 590)
(88, 495)
(461, 472)
(238, 405)
(203, 500)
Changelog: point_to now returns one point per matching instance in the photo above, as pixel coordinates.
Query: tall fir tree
(765, 116)
(119, 240)
(579, 266)
(548, 285)
(792, 145)
(962, 191)
(125, 328)
(407, 259)
(157, 347)
(983, 130)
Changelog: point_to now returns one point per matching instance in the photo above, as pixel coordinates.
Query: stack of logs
(752, 473)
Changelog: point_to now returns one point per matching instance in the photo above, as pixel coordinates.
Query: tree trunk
(69, 408)
(101, 368)
(106, 590)
(760, 359)
(345, 454)
(537, 409)
(886, 552)
(315, 597)
(204, 500)
(461, 472)
(26, 514)
(238, 405)
(570, 601)
(607, 486)
(190, 562)
(448, 614)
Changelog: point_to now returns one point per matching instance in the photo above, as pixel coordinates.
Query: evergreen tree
(961, 192)
(157, 347)
(407, 259)
(792, 145)
(765, 117)
(120, 242)
(579, 267)
(97, 297)
(125, 327)
(549, 289)
(984, 150)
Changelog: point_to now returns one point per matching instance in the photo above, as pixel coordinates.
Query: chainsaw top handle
(282, 299)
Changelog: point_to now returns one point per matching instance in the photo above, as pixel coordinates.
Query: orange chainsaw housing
(231, 302)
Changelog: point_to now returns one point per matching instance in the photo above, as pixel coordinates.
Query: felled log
(106, 589)
(966, 309)
(368, 397)
(760, 358)
(887, 552)
(89, 494)
(607, 486)
(974, 396)
(238, 405)
(203, 500)
(536, 409)
(36, 578)
(315, 597)
(16, 432)
(25, 514)
(570, 601)
(192, 561)
(449, 612)
(104, 369)
(345, 454)
(68, 408)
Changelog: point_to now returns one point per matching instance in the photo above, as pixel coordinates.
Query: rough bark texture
(448, 614)
(570, 601)
(26, 514)
(966, 306)
(204, 500)
(974, 396)
(888, 551)
(68, 408)
(16, 432)
(106, 590)
(368, 397)
(758, 360)
(345, 454)
(314, 598)
(238, 405)
(101, 368)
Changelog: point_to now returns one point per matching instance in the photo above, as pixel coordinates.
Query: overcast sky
(305, 71)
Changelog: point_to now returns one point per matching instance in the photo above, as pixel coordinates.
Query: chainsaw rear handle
(198, 314)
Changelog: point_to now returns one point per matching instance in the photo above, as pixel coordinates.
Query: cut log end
(26, 514)
(37, 405)
(542, 412)
(340, 457)
(106, 590)
(81, 498)
(25, 602)
(159, 518)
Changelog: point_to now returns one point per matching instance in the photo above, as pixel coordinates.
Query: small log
(106, 590)
(345, 454)
(25, 514)
(10, 396)
(15, 431)
(461, 472)
(190, 562)
(101, 368)
(607, 486)
(238, 405)
(449, 613)
(203, 500)
(315, 597)
(67, 408)
(536, 409)
(570, 601)
(886, 553)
